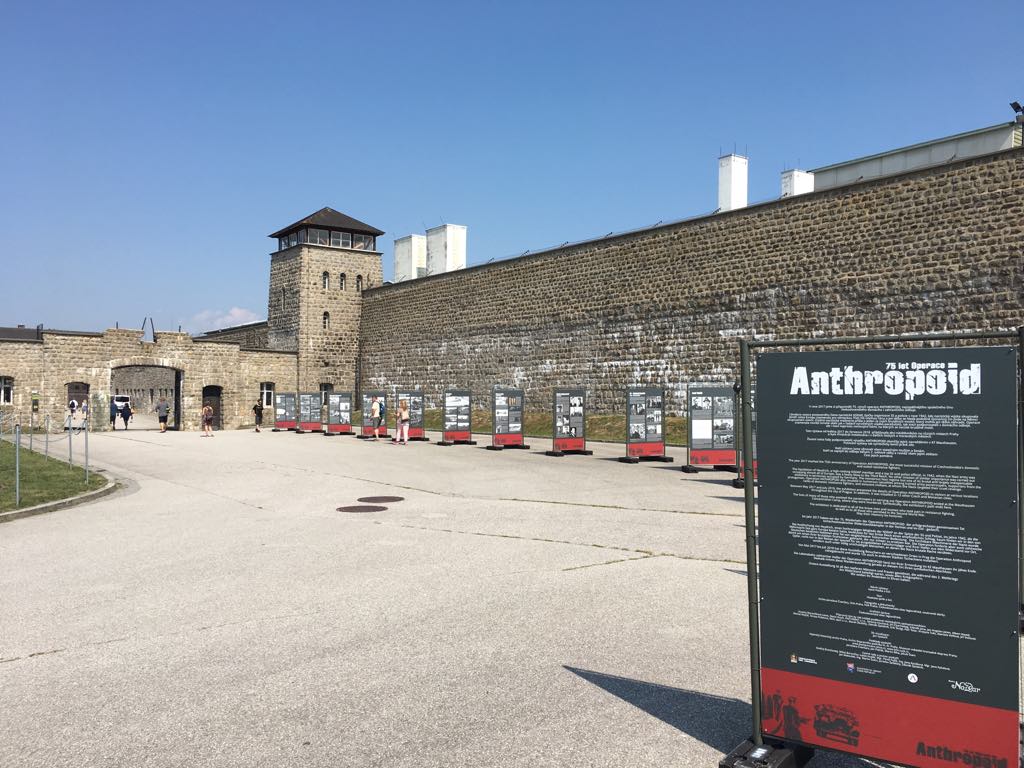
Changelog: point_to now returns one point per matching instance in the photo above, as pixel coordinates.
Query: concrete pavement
(514, 610)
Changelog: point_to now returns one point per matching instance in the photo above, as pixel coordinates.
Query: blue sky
(148, 149)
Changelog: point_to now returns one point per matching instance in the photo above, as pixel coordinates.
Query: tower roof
(328, 218)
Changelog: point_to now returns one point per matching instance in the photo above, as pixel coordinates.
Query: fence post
(31, 429)
(17, 465)
(46, 440)
(71, 461)
(87, 452)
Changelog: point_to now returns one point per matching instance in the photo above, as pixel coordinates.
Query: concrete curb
(52, 506)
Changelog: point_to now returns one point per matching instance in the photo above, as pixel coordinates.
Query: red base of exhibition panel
(645, 452)
(561, 446)
(456, 438)
(889, 725)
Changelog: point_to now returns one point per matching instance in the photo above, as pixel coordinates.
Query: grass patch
(42, 479)
(606, 427)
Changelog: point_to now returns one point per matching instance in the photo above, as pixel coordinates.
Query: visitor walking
(162, 409)
(257, 411)
(403, 423)
(207, 421)
(375, 417)
(126, 413)
(113, 415)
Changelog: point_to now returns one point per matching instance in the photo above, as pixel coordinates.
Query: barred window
(6, 390)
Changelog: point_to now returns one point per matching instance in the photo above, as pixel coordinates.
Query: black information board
(507, 404)
(645, 435)
(457, 425)
(414, 399)
(711, 412)
(569, 422)
(888, 539)
(285, 410)
(339, 412)
(309, 410)
(382, 399)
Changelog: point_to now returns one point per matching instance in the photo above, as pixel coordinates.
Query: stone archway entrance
(145, 385)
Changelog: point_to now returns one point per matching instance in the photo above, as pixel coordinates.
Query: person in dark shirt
(257, 411)
(162, 408)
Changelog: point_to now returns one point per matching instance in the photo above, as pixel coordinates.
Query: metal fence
(42, 437)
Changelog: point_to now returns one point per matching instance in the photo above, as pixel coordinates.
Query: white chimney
(446, 248)
(410, 257)
(796, 182)
(732, 182)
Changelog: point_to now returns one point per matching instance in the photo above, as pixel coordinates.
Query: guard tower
(318, 273)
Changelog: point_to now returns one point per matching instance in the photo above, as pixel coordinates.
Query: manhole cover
(362, 508)
(380, 499)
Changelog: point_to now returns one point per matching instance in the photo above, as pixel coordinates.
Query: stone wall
(61, 358)
(927, 251)
(249, 336)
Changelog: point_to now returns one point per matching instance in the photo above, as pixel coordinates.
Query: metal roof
(328, 218)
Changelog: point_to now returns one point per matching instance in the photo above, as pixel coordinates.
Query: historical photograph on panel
(654, 401)
(637, 431)
(724, 406)
(457, 401)
(515, 426)
(562, 424)
(576, 410)
(700, 406)
(576, 402)
(637, 408)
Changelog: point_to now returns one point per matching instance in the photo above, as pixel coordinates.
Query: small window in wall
(326, 280)
(325, 390)
(359, 283)
(6, 390)
(267, 394)
(327, 321)
(341, 281)
(282, 299)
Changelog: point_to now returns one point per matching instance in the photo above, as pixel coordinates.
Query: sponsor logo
(793, 658)
(851, 667)
(961, 757)
(912, 677)
(963, 685)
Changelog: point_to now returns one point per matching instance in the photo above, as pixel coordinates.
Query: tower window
(282, 299)
(341, 281)
(363, 242)
(327, 321)
(341, 239)
(327, 280)
(318, 237)
(359, 283)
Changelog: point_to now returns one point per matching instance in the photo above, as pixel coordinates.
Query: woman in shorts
(207, 421)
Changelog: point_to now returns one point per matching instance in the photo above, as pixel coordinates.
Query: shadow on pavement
(719, 722)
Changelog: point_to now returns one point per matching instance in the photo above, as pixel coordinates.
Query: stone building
(935, 248)
(309, 342)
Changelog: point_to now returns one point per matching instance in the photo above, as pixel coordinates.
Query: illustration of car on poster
(836, 723)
